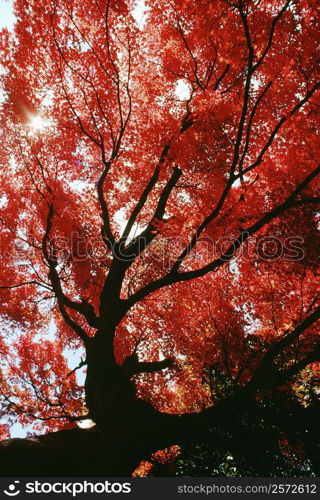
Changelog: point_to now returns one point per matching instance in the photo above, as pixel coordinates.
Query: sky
(6, 14)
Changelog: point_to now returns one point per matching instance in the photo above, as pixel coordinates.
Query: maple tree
(159, 209)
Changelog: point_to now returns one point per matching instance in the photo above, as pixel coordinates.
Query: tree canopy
(160, 178)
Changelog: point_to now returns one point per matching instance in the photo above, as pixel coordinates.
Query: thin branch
(273, 26)
(221, 77)
(82, 363)
(25, 283)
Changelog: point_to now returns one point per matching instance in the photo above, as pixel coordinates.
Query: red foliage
(91, 112)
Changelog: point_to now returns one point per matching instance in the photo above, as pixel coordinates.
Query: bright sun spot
(37, 123)
(182, 90)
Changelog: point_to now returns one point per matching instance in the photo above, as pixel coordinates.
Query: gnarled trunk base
(74, 452)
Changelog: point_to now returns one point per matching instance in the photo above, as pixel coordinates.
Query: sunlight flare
(37, 124)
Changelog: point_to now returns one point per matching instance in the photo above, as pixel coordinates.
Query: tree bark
(108, 392)
(76, 452)
(110, 396)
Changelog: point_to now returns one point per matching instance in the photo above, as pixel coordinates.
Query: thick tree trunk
(109, 393)
(110, 396)
(72, 453)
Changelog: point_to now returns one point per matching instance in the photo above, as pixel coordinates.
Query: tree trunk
(76, 452)
(110, 396)
(107, 391)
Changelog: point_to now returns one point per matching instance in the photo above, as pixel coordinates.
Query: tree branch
(174, 277)
(278, 127)
(263, 371)
(106, 228)
(84, 308)
(82, 363)
(143, 198)
(145, 238)
(133, 366)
